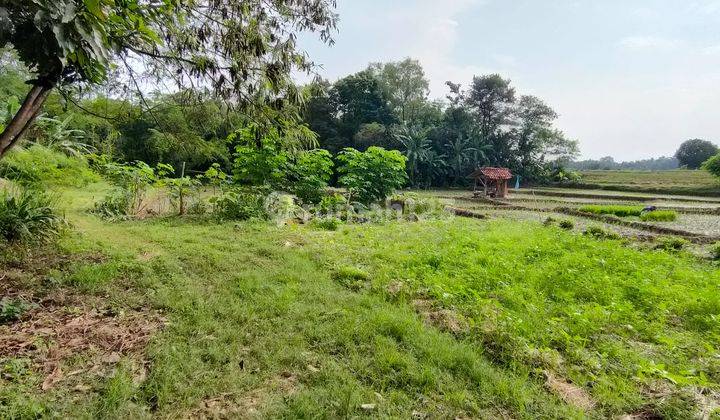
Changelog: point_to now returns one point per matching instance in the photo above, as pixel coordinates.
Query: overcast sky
(630, 79)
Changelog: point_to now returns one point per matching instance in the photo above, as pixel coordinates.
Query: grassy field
(448, 318)
(680, 181)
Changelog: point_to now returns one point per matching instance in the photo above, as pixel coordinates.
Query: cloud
(648, 43)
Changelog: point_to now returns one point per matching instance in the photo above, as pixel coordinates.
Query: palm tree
(459, 152)
(416, 147)
(433, 167)
(56, 135)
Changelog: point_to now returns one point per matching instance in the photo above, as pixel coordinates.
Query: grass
(679, 181)
(616, 210)
(442, 318)
(659, 216)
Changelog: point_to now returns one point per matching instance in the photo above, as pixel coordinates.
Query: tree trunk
(23, 118)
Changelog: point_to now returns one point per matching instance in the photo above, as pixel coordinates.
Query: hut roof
(492, 173)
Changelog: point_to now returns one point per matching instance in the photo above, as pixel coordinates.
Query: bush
(599, 233)
(712, 165)
(620, 211)
(659, 216)
(332, 203)
(27, 216)
(567, 224)
(131, 182)
(310, 175)
(549, 221)
(12, 310)
(239, 205)
(372, 175)
(326, 223)
(671, 244)
(715, 251)
(39, 164)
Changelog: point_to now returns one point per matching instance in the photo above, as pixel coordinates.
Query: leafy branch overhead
(243, 50)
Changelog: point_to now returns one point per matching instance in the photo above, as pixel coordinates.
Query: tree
(244, 50)
(358, 99)
(693, 153)
(405, 86)
(371, 175)
(416, 147)
(712, 165)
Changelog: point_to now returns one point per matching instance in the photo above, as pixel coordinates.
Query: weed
(12, 310)
(671, 244)
(28, 216)
(567, 224)
(549, 221)
(326, 223)
(598, 232)
(715, 251)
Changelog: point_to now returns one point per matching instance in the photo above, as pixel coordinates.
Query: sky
(630, 79)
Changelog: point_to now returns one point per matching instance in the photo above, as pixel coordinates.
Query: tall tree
(405, 86)
(244, 49)
(358, 100)
(693, 153)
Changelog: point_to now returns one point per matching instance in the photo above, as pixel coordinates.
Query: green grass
(679, 181)
(326, 321)
(659, 216)
(615, 210)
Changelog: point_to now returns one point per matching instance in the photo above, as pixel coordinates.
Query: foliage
(608, 163)
(712, 165)
(616, 210)
(326, 223)
(332, 203)
(693, 153)
(57, 135)
(310, 173)
(131, 182)
(671, 243)
(372, 175)
(12, 310)
(598, 232)
(566, 224)
(28, 216)
(39, 164)
(239, 204)
(715, 251)
(659, 216)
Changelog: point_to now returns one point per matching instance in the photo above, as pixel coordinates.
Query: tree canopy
(693, 153)
(244, 51)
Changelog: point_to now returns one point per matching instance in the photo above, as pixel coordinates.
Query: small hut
(491, 182)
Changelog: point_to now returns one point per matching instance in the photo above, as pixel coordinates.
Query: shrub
(715, 251)
(27, 216)
(659, 216)
(131, 182)
(12, 310)
(567, 224)
(712, 165)
(372, 175)
(332, 203)
(671, 243)
(617, 210)
(549, 221)
(326, 223)
(600, 233)
(310, 175)
(239, 205)
(39, 164)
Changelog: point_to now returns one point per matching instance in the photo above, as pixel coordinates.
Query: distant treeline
(608, 163)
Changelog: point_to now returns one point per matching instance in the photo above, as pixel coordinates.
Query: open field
(442, 318)
(679, 181)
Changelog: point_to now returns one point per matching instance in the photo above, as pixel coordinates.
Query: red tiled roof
(492, 173)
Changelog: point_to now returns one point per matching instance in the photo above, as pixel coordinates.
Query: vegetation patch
(615, 210)
(659, 216)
